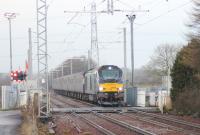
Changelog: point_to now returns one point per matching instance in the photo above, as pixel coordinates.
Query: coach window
(90, 82)
(85, 83)
(95, 81)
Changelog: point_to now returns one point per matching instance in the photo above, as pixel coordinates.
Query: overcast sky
(165, 23)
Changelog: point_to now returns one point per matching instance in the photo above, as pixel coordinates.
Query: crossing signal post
(11, 75)
(14, 75)
(22, 76)
(18, 76)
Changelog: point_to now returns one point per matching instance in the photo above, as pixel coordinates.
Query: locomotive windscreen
(110, 74)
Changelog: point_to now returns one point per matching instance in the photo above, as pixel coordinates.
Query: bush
(185, 92)
(187, 102)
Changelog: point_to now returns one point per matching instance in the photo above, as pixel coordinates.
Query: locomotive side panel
(91, 83)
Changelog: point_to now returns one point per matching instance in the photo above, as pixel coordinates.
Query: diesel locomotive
(103, 85)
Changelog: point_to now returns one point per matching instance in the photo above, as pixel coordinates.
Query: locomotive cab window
(110, 74)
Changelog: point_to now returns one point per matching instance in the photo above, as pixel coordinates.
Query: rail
(194, 125)
(93, 124)
(160, 124)
(123, 124)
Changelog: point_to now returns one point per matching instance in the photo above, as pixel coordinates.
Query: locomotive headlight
(120, 89)
(100, 88)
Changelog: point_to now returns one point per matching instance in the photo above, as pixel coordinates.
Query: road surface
(9, 122)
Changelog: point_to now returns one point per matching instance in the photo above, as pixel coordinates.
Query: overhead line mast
(94, 32)
(44, 107)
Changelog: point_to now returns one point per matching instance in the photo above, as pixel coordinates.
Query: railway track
(72, 102)
(73, 125)
(113, 125)
(96, 126)
(125, 128)
(182, 125)
(56, 103)
(139, 123)
(124, 124)
(163, 125)
(86, 103)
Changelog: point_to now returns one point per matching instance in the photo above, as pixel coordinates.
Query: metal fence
(144, 97)
(13, 96)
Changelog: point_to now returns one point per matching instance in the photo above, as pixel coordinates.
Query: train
(103, 85)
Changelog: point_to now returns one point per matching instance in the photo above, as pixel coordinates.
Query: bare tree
(163, 58)
(194, 25)
(192, 50)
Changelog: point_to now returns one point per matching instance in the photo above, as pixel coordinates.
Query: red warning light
(18, 76)
(11, 74)
(14, 75)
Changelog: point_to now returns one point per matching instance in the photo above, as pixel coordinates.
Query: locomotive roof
(101, 67)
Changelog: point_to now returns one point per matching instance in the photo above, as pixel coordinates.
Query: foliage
(182, 76)
(188, 102)
(185, 81)
(192, 55)
(186, 70)
(195, 23)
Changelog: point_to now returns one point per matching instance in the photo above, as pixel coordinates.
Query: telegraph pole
(125, 61)
(9, 19)
(168, 80)
(131, 19)
(94, 35)
(30, 55)
(110, 6)
(10, 16)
